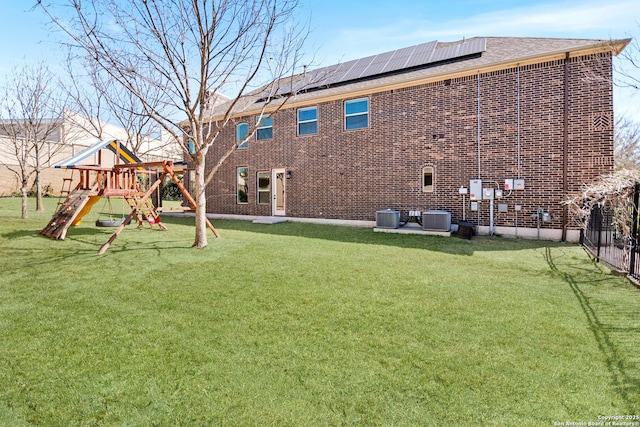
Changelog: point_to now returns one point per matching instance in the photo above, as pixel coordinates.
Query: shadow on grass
(346, 234)
(625, 384)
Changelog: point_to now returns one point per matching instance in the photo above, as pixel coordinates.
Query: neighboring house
(432, 126)
(73, 133)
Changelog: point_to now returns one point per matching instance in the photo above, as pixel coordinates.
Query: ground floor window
(264, 187)
(242, 185)
(427, 179)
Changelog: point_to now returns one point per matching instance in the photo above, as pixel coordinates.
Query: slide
(86, 209)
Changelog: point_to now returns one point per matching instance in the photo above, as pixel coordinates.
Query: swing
(108, 222)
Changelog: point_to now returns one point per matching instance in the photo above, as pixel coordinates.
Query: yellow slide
(86, 209)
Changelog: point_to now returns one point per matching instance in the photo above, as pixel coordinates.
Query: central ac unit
(388, 218)
(436, 220)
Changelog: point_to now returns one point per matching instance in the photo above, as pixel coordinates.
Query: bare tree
(188, 50)
(627, 66)
(626, 140)
(101, 100)
(31, 129)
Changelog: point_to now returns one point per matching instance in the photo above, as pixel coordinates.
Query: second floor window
(356, 114)
(265, 128)
(308, 121)
(242, 130)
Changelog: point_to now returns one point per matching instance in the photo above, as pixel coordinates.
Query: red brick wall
(352, 174)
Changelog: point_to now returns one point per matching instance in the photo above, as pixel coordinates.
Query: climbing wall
(65, 216)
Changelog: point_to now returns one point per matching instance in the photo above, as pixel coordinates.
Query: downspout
(565, 148)
(479, 175)
(518, 102)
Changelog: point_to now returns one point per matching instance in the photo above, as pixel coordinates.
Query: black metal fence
(605, 239)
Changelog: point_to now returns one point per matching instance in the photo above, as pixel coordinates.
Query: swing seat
(108, 223)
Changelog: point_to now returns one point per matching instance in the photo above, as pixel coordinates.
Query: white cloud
(573, 19)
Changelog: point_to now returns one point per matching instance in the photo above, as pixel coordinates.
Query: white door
(278, 194)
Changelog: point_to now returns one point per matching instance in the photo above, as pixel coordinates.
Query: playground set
(120, 179)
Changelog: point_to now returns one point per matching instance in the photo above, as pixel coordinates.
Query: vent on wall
(388, 218)
(600, 121)
(436, 220)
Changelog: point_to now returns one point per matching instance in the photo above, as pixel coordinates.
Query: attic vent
(600, 121)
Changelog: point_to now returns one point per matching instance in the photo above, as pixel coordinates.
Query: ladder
(67, 182)
(147, 211)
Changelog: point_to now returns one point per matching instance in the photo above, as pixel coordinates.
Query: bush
(171, 191)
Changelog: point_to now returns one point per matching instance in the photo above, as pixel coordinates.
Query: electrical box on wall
(487, 193)
(475, 189)
(508, 184)
(518, 184)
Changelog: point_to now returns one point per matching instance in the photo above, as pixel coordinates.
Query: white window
(356, 114)
(308, 121)
(242, 185)
(265, 128)
(264, 187)
(427, 179)
(242, 130)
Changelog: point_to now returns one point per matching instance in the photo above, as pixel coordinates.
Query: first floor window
(356, 114)
(265, 128)
(427, 179)
(308, 121)
(264, 187)
(242, 185)
(242, 130)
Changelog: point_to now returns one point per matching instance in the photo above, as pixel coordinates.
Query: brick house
(522, 121)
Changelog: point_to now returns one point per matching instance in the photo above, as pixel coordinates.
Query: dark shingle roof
(500, 52)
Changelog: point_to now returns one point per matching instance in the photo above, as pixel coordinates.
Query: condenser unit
(436, 220)
(388, 218)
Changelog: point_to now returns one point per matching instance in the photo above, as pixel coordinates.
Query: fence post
(634, 228)
(599, 221)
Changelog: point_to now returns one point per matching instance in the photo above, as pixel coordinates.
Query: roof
(498, 53)
(125, 154)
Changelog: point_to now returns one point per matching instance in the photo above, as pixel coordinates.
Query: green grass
(298, 324)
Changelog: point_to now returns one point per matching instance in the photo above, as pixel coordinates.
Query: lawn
(303, 325)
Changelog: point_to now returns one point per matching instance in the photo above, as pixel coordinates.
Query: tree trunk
(39, 207)
(23, 191)
(201, 205)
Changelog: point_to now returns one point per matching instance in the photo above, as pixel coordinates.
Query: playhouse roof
(113, 145)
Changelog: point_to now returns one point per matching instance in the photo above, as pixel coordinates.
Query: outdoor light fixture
(288, 174)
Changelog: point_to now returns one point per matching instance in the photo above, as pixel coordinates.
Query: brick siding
(352, 174)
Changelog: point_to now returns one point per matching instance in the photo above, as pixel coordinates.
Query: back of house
(494, 130)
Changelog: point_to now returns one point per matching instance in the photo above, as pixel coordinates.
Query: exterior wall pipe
(518, 119)
(479, 175)
(565, 147)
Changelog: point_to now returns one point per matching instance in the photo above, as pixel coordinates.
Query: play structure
(116, 176)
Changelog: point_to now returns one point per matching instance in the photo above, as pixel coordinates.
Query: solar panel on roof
(444, 53)
(387, 62)
(472, 46)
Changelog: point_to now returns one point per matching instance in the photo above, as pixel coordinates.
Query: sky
(342, 30)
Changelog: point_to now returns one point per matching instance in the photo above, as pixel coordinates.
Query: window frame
(246, 185)
(240, 137)
(431, 187)
(303, 122)
(262, 191)
(360, 113)
(264, 123)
